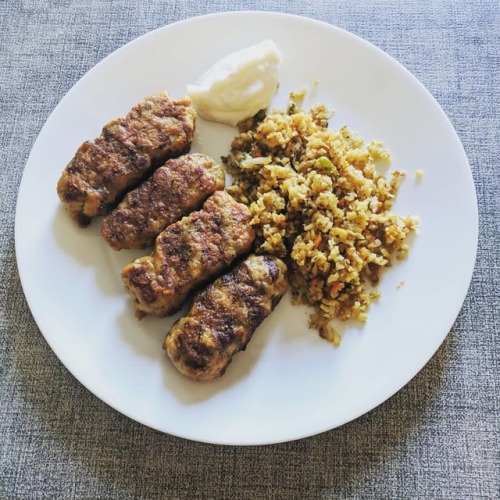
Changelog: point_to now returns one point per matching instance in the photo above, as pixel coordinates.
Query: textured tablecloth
(437, 438)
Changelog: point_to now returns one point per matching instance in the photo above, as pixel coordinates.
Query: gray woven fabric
(437, 438)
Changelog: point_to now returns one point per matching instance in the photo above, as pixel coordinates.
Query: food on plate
(239, 85)
(126, 152)
(224, 316)
(317, 199)
(188, 254)
(174, 190)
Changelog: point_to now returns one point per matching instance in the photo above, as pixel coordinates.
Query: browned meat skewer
(127, 150)
(188, 254)
(224, 316)
(174, 190)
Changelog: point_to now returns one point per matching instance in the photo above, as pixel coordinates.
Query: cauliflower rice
(318, 201)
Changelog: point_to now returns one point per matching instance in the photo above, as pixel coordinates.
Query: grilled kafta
(224, 316)
(126, 152)
(188, 254)
(174, 190)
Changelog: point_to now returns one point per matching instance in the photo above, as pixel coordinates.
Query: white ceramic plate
(289, 383)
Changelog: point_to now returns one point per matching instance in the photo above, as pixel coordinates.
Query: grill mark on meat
(224, 317)
(175, 189)
(141, 279)
(125, 153)
(191, 252)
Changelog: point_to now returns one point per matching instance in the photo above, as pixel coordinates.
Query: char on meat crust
(224, 316)
(174, 190)
(188, 254)
(126, 152)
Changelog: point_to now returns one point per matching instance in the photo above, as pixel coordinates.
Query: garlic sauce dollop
(239, 85)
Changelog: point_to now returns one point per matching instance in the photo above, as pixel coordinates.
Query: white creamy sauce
(239, 85)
